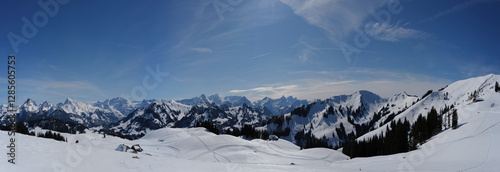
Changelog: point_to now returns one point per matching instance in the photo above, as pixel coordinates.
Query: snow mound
(197, 144)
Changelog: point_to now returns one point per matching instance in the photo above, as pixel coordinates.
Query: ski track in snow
(213, 151)
(485, 159)
(294, 156)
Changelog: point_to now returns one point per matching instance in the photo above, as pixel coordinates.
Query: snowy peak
(46, 107)
(75, 107)
(280, 106)
(29, 106)
(357, 99)
(143, 103)
(236, 101)
(215, 99)
(403, 97)
(119, 105)
(28, 110)
(29, 102)
(118, 102)
(69, 101)
(468, 89)
(368, 97)
(201, 100)
(399, 96)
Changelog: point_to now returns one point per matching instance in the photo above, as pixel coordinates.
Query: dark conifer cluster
(308, 140)
(248, 131)
(208, 125)
(395, 140)
(425, 127)
(52, 135)
(398, 137)
(22, 129)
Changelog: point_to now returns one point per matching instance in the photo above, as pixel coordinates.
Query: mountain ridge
(332, 120)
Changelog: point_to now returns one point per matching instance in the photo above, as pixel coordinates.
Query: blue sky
(94, 50)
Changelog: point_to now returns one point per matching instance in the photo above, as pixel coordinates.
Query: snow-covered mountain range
(335, 118)
(70, 110)
(267, 106)
(230, 111)
(361, 114)
(470, 147)
(364, 114)
(227, 113)
(460, 95)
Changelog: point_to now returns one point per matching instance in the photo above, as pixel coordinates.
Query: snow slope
(471, 147)
(165, 149)
(457, 94)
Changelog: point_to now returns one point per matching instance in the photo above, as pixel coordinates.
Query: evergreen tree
(208, 125)
(449, 121)
(49, 134)
(249, 131)
(21, 128)
(427, 93)
(454, 123)
(497, 88)
(436, 122)
(264, 135)
(40, 135)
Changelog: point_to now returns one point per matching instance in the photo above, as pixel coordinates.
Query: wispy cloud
(58, 90)
(336, 17)
(307, 50)
(259, 56)
(202, 50)
(456, 8)
(393, 33)
(382, 82)
(267, 89)
(60, 85)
